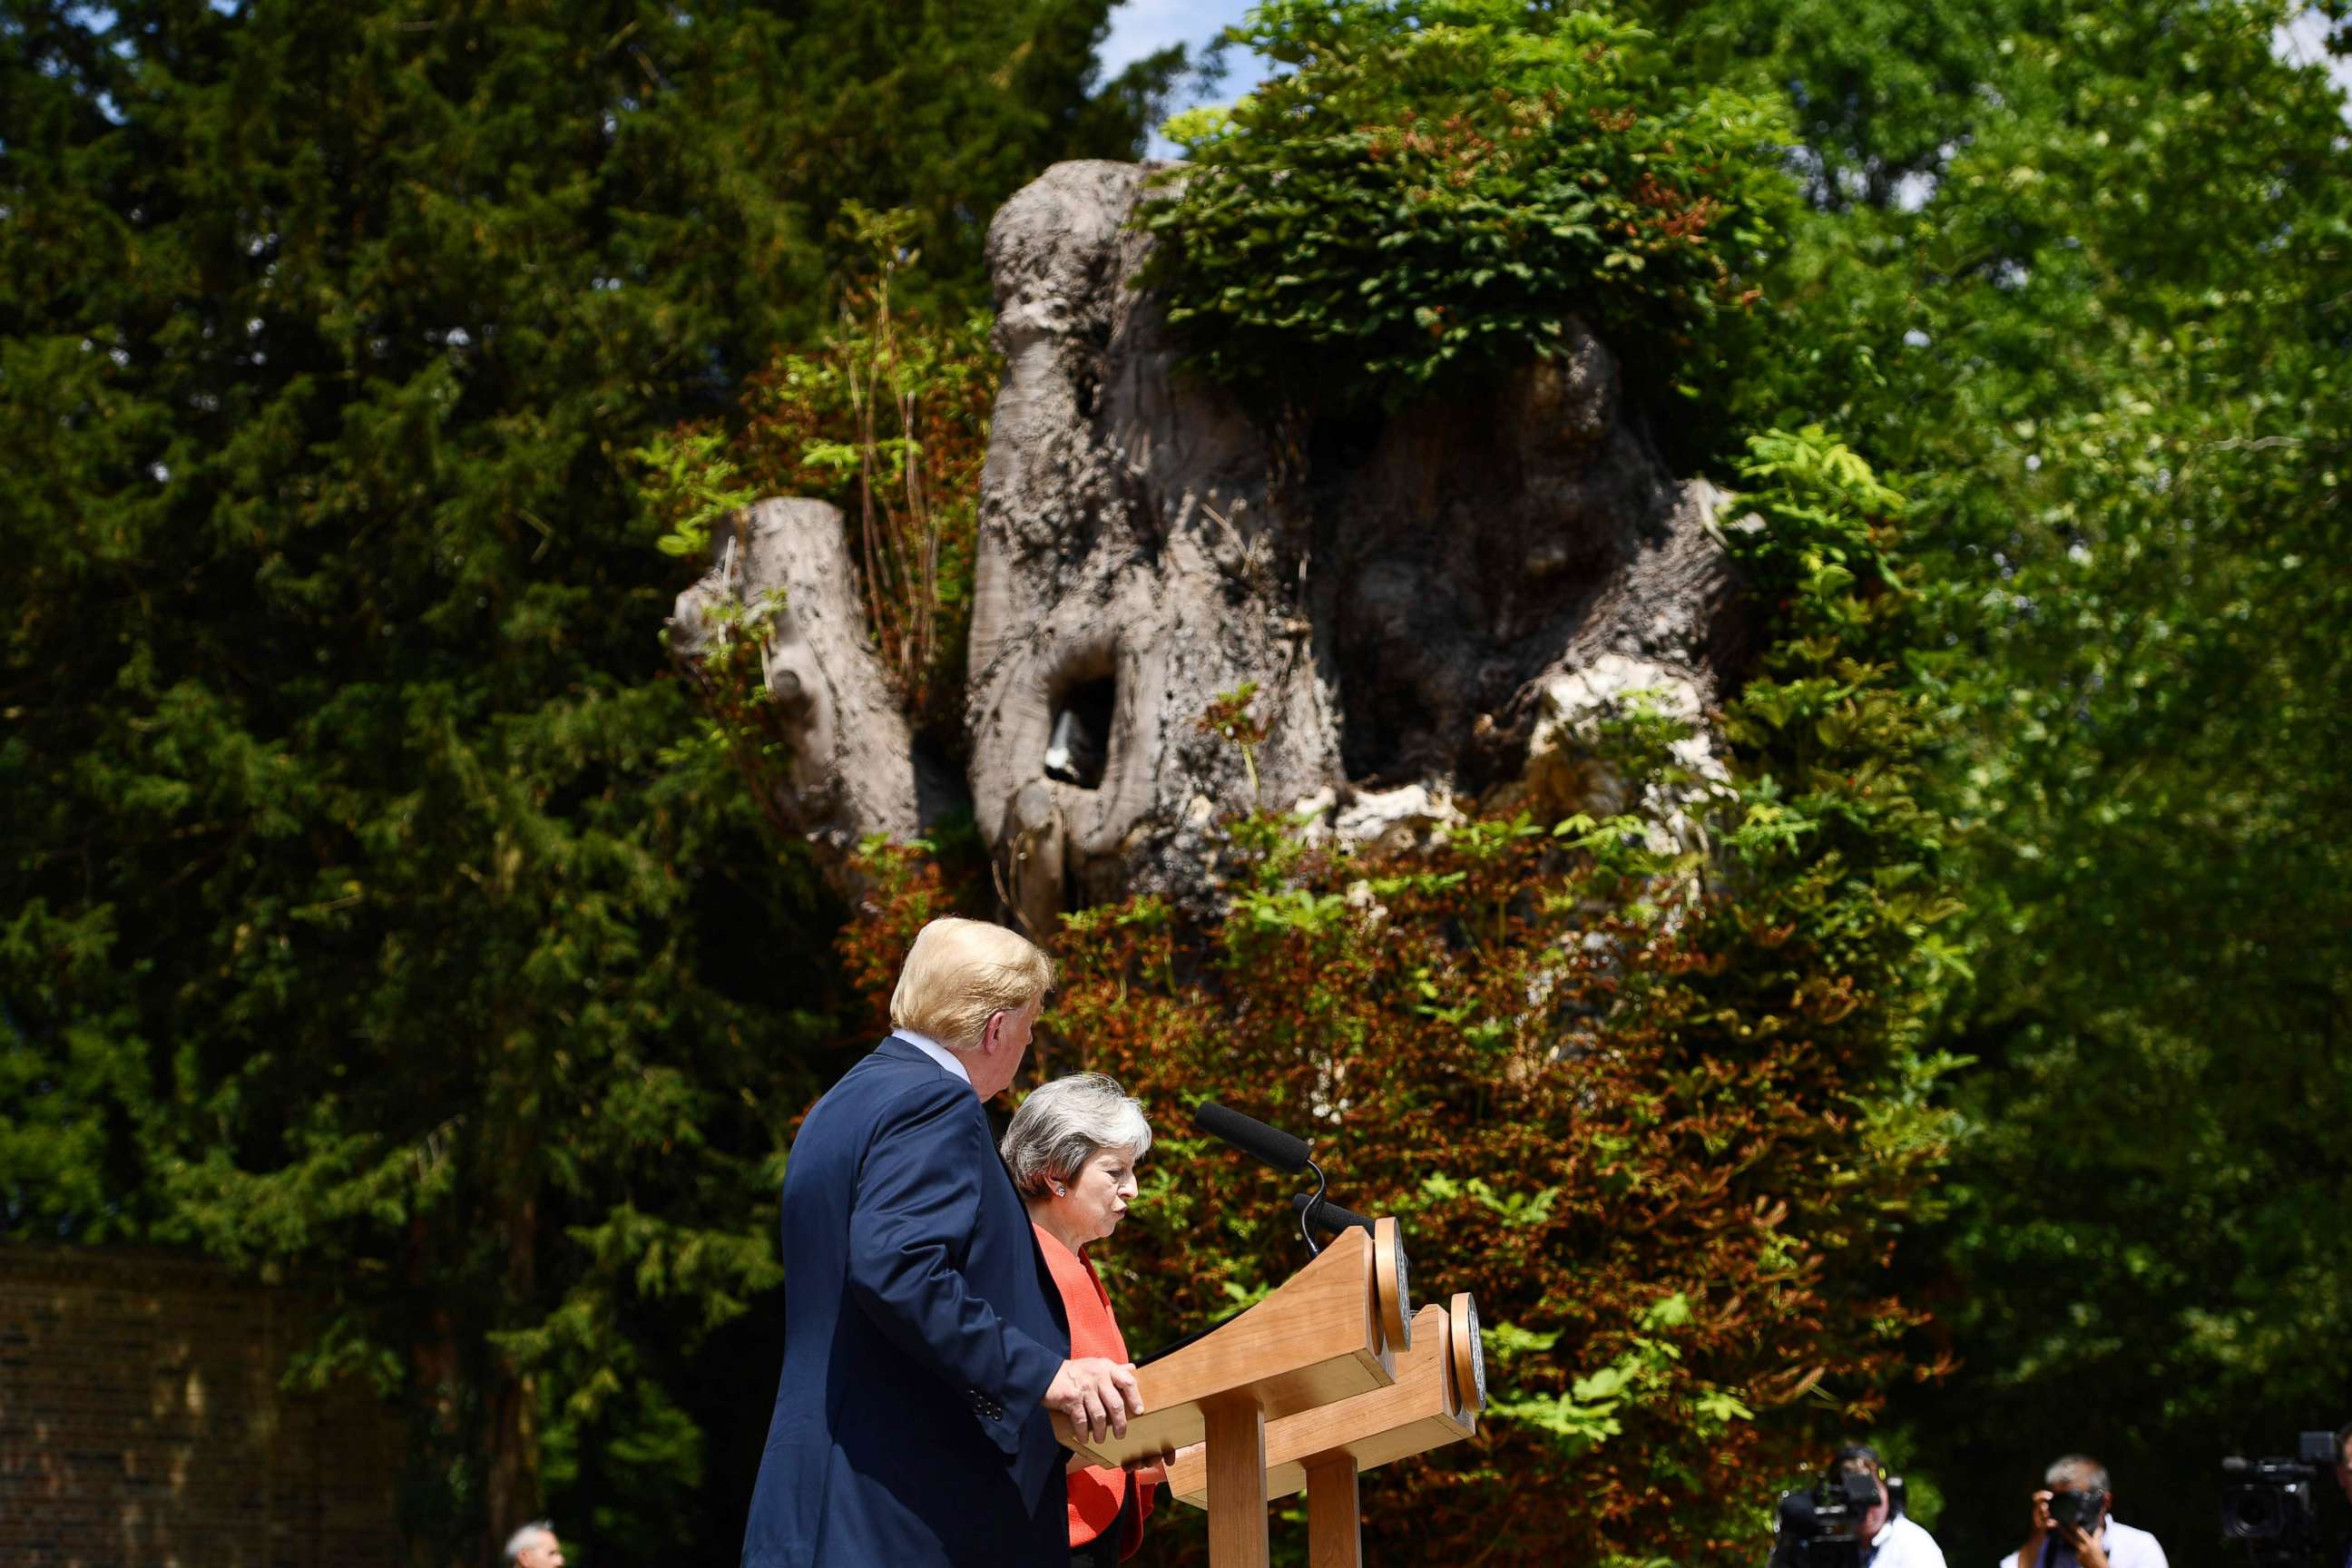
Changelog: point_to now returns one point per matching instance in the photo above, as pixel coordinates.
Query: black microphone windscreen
(1797, 1514)
(1327, 1216)
(1252, 1137)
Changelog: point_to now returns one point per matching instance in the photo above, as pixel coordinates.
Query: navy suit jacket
(921, 1331)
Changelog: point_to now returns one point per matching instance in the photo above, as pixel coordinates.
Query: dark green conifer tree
(373, 910)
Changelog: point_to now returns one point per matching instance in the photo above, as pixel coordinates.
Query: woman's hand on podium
(1151, 1470)
(1097, 1394)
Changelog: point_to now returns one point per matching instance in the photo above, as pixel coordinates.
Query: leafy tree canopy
(1436, 187)
(2077, 277)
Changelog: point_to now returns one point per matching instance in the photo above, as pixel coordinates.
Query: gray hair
(1062, 1124)
(2077, 1472)
(520, 1542)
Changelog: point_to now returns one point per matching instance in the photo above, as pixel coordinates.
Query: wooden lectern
(1439, 1390)
(1270, 1392)
(1330, 1331)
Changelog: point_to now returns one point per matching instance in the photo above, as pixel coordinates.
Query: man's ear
(993, 1031)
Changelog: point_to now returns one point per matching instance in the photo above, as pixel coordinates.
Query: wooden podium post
(1335, 1524)
(1328, 1334)
(1236, 1463)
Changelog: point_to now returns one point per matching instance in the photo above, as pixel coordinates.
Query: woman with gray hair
(1072, 1150)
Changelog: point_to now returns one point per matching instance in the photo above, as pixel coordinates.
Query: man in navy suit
(925, 1345)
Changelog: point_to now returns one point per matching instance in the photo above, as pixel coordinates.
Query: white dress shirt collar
(1903, 1544)
(933, 1049)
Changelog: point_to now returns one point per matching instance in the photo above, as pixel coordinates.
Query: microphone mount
(1304, 1204)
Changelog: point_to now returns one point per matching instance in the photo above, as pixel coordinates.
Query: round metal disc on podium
(1390, 1283)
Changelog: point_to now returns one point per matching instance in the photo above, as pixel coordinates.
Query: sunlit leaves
(1437, 187)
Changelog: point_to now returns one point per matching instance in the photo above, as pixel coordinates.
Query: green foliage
(885, 417)
(2078, 281)
(1437, 187)
(938, 111)
(374, 910)
(693, 483)
(1877, 91)
(1229, 716)
(374, 915)
(1815, 540)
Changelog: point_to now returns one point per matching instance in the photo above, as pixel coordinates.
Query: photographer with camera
(2074, 1524)
(1851, 1517)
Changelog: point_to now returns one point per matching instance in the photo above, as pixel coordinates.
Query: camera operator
(1852, 1518)
(2074, 1524)
(1890, 1537)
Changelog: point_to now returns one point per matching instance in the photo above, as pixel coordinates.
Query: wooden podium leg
(1335, 1527)
(1236, 1457)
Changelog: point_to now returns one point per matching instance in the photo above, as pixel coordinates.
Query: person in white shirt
(1881, 1537)
(534, 1546)
(2082, 1532)
(2343, 1473)
(1890, 1539)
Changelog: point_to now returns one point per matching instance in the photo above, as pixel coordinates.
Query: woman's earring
(1061, 1192)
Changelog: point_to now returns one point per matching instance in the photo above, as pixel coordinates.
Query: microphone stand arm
(1307, 1210)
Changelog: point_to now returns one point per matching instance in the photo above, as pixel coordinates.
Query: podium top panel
(1426, 1407)
(1315, 1340)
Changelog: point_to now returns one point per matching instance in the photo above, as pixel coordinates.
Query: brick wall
(142, 1424)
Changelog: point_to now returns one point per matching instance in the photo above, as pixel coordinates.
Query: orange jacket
(1096, 1492)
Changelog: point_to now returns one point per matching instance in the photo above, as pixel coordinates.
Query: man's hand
(1097, 1395)
(2088, 1549)
(2036, 1533)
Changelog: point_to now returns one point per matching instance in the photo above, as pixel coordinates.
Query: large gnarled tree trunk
(1432, 610)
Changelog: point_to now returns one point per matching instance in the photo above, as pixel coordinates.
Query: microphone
(1269, 1145)
(1326, 1216)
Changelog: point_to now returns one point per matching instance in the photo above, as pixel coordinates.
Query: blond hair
(961, 973)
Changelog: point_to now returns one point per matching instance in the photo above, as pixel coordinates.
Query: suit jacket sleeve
(918, 1202)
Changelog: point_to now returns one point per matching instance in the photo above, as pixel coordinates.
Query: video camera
(2271, 1506)
(1820, 1527)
